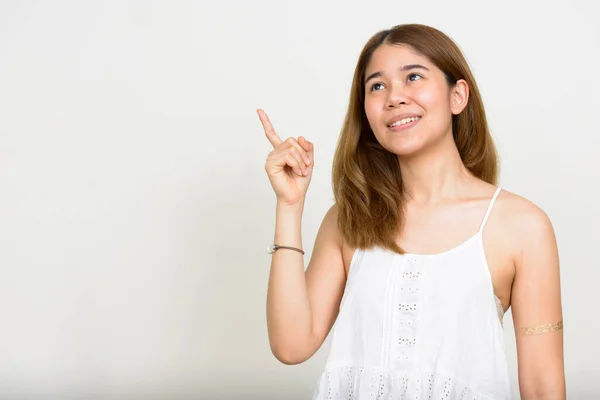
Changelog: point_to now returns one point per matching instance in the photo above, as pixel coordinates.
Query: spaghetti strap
(489, 209)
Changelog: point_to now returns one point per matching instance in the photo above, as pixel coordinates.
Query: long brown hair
(367, 183)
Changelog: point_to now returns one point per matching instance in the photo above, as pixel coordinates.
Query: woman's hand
(289, 166)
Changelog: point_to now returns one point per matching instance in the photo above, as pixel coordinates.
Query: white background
(135, 210)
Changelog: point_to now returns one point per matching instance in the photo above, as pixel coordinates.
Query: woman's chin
(405, 150)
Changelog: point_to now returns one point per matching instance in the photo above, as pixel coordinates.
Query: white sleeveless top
(418, 326)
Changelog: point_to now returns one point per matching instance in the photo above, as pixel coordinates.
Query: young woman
(421, 254)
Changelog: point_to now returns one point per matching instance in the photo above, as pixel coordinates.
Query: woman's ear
(459, 96)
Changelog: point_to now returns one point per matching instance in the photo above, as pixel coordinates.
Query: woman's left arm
(537, 309)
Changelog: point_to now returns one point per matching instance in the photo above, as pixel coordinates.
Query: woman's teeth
(404, 121)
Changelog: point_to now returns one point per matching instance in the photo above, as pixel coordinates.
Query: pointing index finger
(269, 130)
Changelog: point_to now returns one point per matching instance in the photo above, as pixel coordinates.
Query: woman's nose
(397, 96)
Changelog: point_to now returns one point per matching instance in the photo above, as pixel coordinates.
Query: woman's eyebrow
(404, 68)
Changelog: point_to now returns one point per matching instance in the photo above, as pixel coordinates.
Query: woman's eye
(375, 86)
(414, 76)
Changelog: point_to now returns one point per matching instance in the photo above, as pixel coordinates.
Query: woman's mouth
(403, 124)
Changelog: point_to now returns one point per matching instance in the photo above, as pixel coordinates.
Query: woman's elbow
(292, 354)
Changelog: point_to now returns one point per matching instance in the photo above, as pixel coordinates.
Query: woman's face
(408, 101)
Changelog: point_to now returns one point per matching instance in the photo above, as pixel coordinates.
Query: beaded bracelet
(274, 247)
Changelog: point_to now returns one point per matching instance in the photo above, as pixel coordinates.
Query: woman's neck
(434, 176)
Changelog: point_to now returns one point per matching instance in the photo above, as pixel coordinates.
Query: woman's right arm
(301, 306)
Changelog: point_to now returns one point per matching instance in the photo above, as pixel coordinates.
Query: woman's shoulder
(330, 227)
(515, 206)
(521, 217)
(347, 251)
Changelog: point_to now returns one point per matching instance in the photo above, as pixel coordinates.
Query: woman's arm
(302, 306)
(536, 307)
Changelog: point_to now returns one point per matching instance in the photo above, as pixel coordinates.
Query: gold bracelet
(274, 247)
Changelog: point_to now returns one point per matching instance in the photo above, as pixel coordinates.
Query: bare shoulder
(328, 240)
(330, 225)
(522, 214)
(523, 220)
